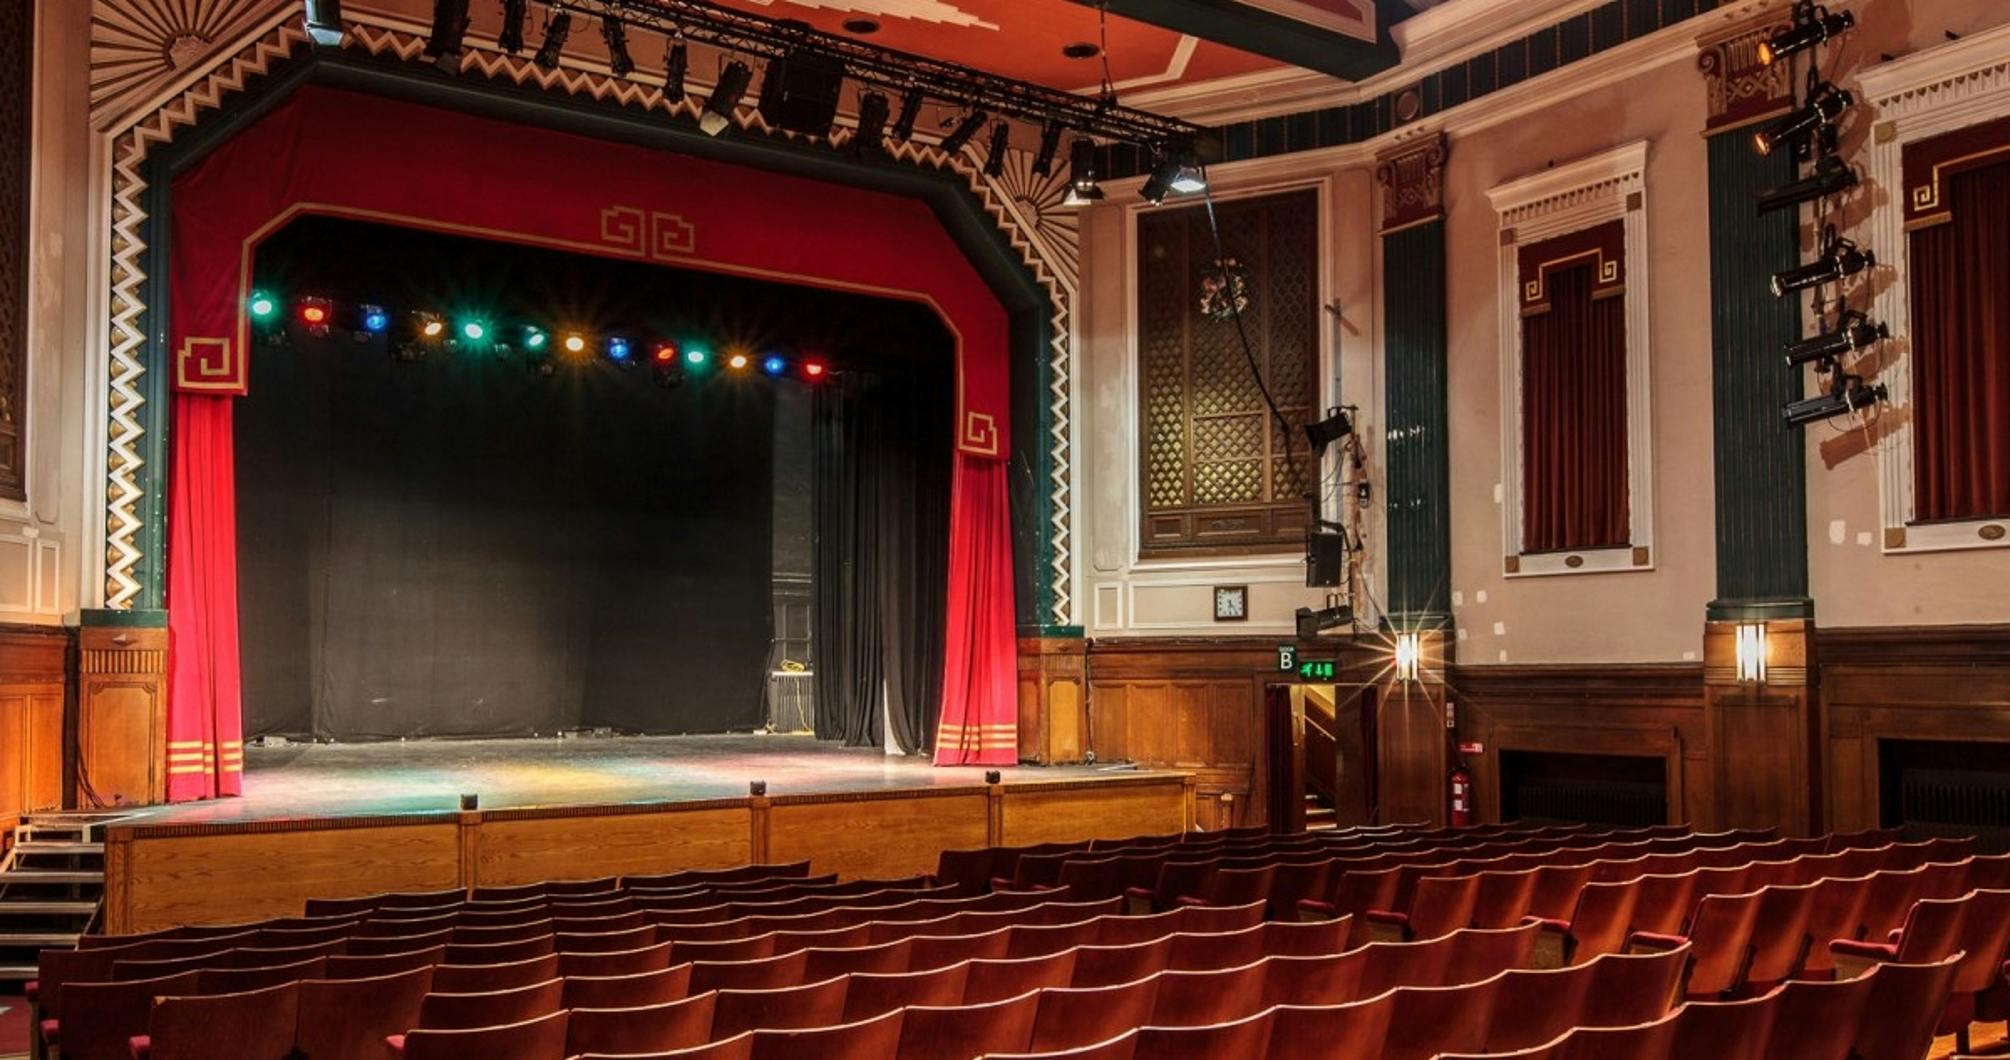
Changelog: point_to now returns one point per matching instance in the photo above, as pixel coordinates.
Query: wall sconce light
(1751, 653)
(1409, 656)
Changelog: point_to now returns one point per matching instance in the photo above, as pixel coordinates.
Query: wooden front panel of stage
(162, 875)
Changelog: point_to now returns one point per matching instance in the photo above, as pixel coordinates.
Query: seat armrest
(1653, 942)
(1387, 925)
(1190, 900)
(141, 1046)
(1387, 916)
(1854, 958)
(1320, 909)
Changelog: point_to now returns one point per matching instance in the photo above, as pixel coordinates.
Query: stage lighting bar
(750, 36)
(1050, 145)
(1832, 176)
(450, 30)
(1179, 171)
(1853, 332)
(1083, 187)
(1812, 25)
(614, 33)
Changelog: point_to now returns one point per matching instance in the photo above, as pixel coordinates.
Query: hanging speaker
(1325, 559)
(800, 92)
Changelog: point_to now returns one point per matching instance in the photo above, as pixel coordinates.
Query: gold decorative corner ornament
(1511, 564)
(1641, 556)
(1894, 537)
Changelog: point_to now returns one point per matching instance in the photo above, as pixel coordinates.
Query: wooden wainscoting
(1189, 704)
(33, 669)
(1654, 710)
(1907, 682)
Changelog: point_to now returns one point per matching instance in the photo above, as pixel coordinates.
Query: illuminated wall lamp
(1409, 656)
(1751, 653)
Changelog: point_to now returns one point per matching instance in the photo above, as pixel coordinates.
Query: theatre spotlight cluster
(413, 335)
(804, 72)
(1809, 132)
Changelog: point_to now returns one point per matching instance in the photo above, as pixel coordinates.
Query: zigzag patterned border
(1054, 267)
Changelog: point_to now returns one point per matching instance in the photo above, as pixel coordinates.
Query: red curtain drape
(1573, 419)
(205, 735)
(1960, 279)
(980, 706)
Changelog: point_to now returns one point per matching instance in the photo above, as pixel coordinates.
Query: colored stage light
(664, 353)
(432, 329)
(533, 338)
(737, 361)
(575, 343)
(696, 357)
(314, 312)
(774, 365)
(262, 305)
(473, 330)
(813, 369)
(618, 349)
(375, 319)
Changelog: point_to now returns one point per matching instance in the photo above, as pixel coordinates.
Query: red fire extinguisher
(1462, 796)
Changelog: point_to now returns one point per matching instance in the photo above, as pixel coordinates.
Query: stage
(347, 819)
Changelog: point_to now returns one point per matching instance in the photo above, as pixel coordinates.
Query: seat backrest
(1640, 1041)
(1249, 1036)
(617, 962)
(241, 980)
(1721, 932)
(1304, 938)
(252, 1025)
(370, 967)
(1105, 965)
(1665, 902)
(1534, 1006)
(1032, 940)
(1887, 902)
(1932, 930)
(491, 1008)
(541, 1038)
(1443, 904)
(1192, 999)
(99, 1018)
(676, 1024)
(823, 962)
(1443, 1019)
(1634, 988)
(348, 1019)
(809, 1005)
(990, 980)
(768, 973)
(1820, 1017)
(1070, 1017)
(1480, 953)
(871, 994)
(1354, 1031)
(1727, 1030)
(1387, 965)
(1193, 951)
(1599, 923)
(1985, 939)
(1780, 937)
(1004, 1026)
(628, 991)
(483, 978)
(1907, 1000)
(1836, 913)
(1504, 898)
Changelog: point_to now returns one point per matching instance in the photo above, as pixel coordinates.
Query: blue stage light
(618, 349)
(375, 319)
(774, 365)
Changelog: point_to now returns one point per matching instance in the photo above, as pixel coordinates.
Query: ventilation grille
(1591, 802)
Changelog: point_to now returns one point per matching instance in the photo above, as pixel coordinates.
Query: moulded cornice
(1930, 67)
(1586, 174)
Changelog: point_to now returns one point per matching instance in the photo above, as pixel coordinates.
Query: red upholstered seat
(542, 1038)
(349, 1019)
(247, 1025)
(997, 980)
(1244, 1037)
(483, 978)
(677, 1024)
(1820, 1019)
(1720, 936)
(1905, 1004)
(628, 991)
(810, 1005)
(1333, 1032)
(1188, 999)
(616, 962)
(442, 1011)
(871, 994)
(1073, 1017)
(963, 1031)
(99, 1020)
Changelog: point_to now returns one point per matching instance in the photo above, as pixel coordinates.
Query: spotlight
(1082, 188)
(1812, 25)
(676, 63)
(813, 369)
(533, 338)
(450, 27)
(324, 22)
(615, 33)
(537, 353)
(664, 353)
(1839, 258)
(1050, 145)
(315, 315)
(733, 82)
(474, 330)
(910, 109)
(1001, 140)
(556, 30)
(1832, 176)
(737, 361)
(372, 320)
(873, 108)
(422, 331)
(695, 357)
(428, 325)
(774, 365)
(1848, 394)
(575, 343)
(1853, 332)
(514, 14)
(1178, 171)
(618, 350)
(1825, 104)
(262, 305)
(1335, 426)
(1311, 623)
(965, 131)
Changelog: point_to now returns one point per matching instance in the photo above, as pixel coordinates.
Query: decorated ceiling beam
(1347, 39)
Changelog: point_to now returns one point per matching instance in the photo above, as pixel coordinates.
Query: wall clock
(1231, 603)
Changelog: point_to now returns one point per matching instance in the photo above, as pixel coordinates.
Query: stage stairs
(52, 880)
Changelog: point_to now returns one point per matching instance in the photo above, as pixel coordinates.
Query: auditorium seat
(1105, 965)
(1534, 1006)
(1249, 1036)
(936, 951)
(767, 973)
(280, 938)
(1071, 1017)
(1720, 937)
(465, 935)
(1504, 897)
(628, 991)
(958, 1032)
(363, 945)
(756, 871)
(416, 899)
(1353, 1031)
(502, 916)
(98, 1020)
(615, 962)
(1427, 1020)
(1907, 1000)
(342, 906)
(491, 952)
(1820, 1019)
(240, 980)
(1632, 989)
(970, 871)
(660, 1027)
(1728, 1030)
(542, 1038)
(870, 994)
(350, 966)
(1652, 1040)
(1597, 923)
(249, 1025)
(1122, 1047)
(1780, 937)
(996, 980)
(873, 1039)
(1976, 925)
(349, 1019)
(489, 1008)
(154, 969)
(824, 962)
(808, 1005)
(1033, 940)
(449, 978)
(1187, 999)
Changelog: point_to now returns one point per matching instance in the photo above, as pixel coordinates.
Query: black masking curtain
(881, 558)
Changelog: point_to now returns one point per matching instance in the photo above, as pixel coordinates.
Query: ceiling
(1153, 45)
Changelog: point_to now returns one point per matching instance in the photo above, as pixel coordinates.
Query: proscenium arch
(1028, 308)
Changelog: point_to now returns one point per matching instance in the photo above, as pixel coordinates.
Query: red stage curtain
(1573, 419)
(1960, 278)
(205, 729)
(980, 705)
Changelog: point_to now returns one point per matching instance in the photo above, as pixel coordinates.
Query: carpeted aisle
(13, 1026)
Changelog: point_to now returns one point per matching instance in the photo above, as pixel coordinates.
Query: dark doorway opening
(1555, 787)
(1930, 788)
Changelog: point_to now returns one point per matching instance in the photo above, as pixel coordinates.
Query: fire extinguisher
(1462, 796)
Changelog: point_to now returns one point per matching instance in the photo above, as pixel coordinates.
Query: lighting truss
(897, 72)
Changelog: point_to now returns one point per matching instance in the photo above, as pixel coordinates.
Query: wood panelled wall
(1189, 704)
(33, 662)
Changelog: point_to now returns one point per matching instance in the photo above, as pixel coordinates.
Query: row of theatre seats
(1347, 950)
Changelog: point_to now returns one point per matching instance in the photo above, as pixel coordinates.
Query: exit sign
(1315, 670)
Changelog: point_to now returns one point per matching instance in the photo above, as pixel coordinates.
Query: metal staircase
(51, 882)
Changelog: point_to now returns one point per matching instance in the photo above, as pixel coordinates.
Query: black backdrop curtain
(881, 500)
(461, 548)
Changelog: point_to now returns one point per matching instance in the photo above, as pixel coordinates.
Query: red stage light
(314, 314)
(664, 353)
(813, 369)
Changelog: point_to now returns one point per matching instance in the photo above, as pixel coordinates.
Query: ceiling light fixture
(1825, 104)
(556, 30)
(450, 28)
(615, 33)
(1812, 25)
(1853, 331)
(733, 82)
(965, 131)
(1001, 141)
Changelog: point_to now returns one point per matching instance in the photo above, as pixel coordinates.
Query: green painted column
(1419, 475)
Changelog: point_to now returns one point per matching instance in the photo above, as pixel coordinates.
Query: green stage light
(533, 338)
(473, 330)
(696, 356)
(263, 305)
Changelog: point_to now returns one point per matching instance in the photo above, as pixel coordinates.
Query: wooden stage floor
(429, 776)
(335, 820)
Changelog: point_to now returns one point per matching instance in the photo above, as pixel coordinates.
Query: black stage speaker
(1325, 559)
(800, 92)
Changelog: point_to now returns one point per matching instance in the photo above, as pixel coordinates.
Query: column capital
(1743, 90)
(1412, 175)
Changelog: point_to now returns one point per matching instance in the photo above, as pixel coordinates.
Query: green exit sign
(1315, 670)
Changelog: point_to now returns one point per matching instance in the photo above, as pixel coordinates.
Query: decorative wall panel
(17, 65)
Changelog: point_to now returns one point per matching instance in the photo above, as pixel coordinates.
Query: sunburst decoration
(1036, 200)
(139, 45)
